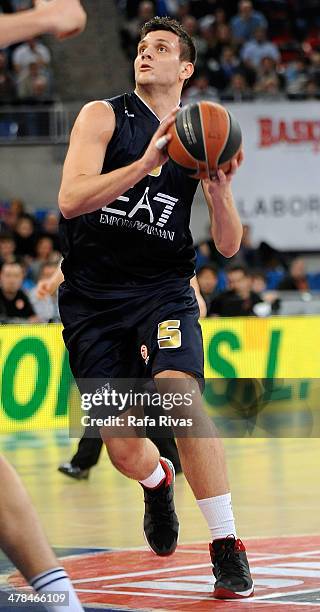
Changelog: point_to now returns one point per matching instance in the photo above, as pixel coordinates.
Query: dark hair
(209, 266)
(12, 263)
(187, 49)
(47, 264)
(6, 236)
(258, 274)
(237, 268)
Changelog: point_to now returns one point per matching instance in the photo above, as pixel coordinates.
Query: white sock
(219, 515)
(155, 478)
(56, 580)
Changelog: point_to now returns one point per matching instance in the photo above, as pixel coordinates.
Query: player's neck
(161, 103)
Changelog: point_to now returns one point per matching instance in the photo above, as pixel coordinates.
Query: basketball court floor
(95, 527)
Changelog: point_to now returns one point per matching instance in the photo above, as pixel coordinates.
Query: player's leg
(204, 466)
(176, 360)
(24, 542)
(138, 458)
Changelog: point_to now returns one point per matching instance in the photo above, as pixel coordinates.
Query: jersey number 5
(169, 334)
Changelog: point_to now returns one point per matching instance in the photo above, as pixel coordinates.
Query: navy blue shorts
(133, 333)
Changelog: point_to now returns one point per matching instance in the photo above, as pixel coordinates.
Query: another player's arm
(84, 189)
(226, 227)
(58, 17)
(201, 303)
(49, 286)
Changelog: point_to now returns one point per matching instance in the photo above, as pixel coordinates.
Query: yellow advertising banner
(37, 385)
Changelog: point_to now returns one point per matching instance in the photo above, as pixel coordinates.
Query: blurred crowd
(25, 68)
(29, 255)
(249, 284)
(265, 50)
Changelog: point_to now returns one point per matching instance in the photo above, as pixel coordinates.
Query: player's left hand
(221, 183)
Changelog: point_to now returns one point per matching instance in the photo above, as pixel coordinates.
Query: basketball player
(89, 447)
(58, 17)
(21, 535)
(127, 300)
(23, 541)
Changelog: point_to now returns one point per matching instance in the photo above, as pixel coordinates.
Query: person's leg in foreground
(23, 541)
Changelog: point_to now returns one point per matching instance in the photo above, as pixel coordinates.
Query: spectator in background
(239, 300)
(15, 302)
(44, 254)
(130, 31)
(297, 279)
(220, 16)
(229, 66)
(50, 227)
(269, 82)
(7, 85)
(259, 286)
(297, 76)
(200, 90)
(17, 207)
(312, 90)
(314, 68)
(190, 25)
(247, 252)
(253, 51)
(207, 277)
(183, 9)
(12, 214)
(34, 85)
(31, 63)
(25, 236)
(245, 23)
(238, 90)
(7, 248)
(31, 52)
(46, 307)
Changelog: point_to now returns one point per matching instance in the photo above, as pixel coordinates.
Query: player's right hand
(156, 154)
(44, 288)
(65, 18)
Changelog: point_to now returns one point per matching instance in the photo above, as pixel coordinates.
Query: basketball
(205, 137)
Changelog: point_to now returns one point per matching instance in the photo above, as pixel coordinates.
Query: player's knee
(124, 454)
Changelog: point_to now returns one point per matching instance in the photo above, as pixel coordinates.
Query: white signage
(277, 189)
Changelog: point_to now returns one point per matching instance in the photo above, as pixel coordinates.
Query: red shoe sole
(222, 593)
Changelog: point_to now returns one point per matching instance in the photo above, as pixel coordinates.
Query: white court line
(175, 569)
(290, 594)
(252, 600)
(143, 573)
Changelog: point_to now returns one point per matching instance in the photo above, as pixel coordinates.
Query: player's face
(158, 59)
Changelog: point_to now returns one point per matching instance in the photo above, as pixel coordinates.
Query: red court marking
(139, 580)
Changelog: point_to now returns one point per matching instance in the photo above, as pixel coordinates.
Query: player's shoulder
(96, 108)
(111, 107)
(96, 117)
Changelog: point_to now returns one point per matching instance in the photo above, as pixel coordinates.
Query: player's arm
(58, 17)
(83, 188)
(226, 227)
(49, 286)
(201, 303)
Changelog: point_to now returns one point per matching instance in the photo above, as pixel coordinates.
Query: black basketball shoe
(231, 569)
(73, 471)
(161, 525)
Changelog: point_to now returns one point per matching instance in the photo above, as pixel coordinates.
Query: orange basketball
(205, 137)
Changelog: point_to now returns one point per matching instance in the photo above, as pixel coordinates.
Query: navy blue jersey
(142, 237)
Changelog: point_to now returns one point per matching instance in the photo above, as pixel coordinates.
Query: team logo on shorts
(144, 353)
